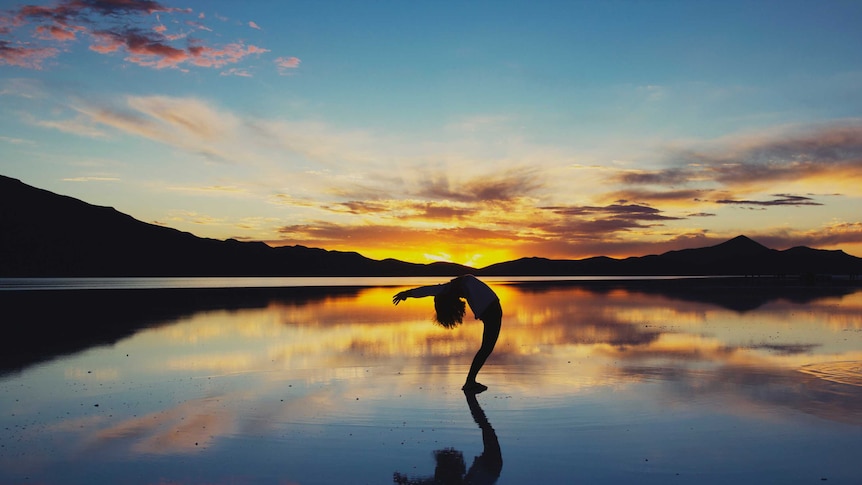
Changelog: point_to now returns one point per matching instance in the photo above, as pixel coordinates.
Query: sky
(471, 132)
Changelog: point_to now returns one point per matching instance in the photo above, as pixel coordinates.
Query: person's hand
(399, 297)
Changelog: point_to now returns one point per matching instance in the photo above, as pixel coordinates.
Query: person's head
(449, 309)
(451, 467)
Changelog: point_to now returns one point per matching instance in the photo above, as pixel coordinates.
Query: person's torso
(479, 295)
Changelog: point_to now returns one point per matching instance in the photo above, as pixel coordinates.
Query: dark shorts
(493, 314)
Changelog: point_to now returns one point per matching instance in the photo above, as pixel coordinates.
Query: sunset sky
(472, 132)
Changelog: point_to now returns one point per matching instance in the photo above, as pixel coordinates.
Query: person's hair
(449, 309)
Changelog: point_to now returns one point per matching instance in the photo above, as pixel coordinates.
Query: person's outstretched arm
(419, 292)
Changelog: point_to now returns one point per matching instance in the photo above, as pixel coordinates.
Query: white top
(479, 295)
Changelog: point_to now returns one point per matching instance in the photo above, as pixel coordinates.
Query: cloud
(616, 211)
(589, 222)
(254, 25)
(235, 71)
(24, 55)
(210, 190)
(780, 199)
(149, 50)
(664, 177)
(91, 179)
(409, 210)
(793, 155)
(112, 26)
(359, 207)
(322, 233)
(286, 64)
(512, 184)
(338, 188)
(76, 126)
(685, 196)
(16, 141)
(54, 32)
(68, 10)
(829, 235)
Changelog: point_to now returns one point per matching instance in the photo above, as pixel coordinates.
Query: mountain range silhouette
(49, 235)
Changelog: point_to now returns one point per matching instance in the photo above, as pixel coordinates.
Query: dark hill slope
(45, 234)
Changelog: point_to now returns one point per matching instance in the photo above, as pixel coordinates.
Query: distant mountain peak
(742, 243)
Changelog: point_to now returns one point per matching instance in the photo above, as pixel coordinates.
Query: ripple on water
(843, 372)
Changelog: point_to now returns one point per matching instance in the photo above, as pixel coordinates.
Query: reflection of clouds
(220, 362)
(103, 375)
(843, 372)
(748, 388)
(553, 344)
(181, 429)
(356, 330)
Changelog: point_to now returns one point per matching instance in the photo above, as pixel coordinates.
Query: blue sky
(463, 131)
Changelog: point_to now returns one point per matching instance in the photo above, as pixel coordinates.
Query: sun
(472, 255)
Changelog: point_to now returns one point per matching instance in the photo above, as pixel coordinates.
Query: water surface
(588, 383)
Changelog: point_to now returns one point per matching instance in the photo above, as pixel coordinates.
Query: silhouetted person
(449, 312)
(451, 468)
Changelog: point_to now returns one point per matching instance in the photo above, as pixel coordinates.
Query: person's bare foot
(474, 387)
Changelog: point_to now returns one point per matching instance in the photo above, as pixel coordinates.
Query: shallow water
(587, 384)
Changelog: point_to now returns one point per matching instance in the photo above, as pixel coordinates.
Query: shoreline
(280, 284)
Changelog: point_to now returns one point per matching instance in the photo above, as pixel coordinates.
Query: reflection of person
(450, 469)
(449, 308)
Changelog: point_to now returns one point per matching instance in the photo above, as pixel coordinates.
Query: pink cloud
(145, 45)
(229, 54)
(284, 64)
(55, 32)
(24, 56)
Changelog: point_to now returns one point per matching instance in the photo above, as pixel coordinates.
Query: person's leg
(492, 320)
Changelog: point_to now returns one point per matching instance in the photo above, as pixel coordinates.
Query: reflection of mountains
(737, 294)
(40, 325)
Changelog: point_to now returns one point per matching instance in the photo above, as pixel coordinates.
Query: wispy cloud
(735, 167)
(616, 211)
(91, 179)
(343, 192)
(16, 141)
(779, 199)
(210, 189)
(511, 184)
(76, 126)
